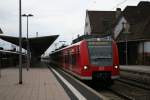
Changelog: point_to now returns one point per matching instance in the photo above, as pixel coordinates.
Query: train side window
(78, 50)
(66, 59)
(73, 60)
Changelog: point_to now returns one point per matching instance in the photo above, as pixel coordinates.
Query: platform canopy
(38, 45)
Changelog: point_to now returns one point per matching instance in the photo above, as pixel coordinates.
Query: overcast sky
(53, 17)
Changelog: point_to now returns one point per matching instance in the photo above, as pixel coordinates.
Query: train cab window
(100, 54)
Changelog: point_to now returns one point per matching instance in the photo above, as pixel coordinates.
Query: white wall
(87, 29)
(118, 28)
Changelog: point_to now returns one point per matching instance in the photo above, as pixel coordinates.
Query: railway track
(112, 95)
(134, 83)
(130, 91)
(128, 87)
(106, 93)
(132, 86)
(138, 77)
(109, 92)
(123, 89)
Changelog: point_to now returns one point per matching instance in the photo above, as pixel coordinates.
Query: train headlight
(85, 67)
(116, 66)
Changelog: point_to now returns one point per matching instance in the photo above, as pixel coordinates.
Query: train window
(66, 59)
(73, 60)
(78, 50)
(70, 59)
(100, 55)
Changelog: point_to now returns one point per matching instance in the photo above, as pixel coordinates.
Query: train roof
(92, 36)
(75, 44)
(85, 39)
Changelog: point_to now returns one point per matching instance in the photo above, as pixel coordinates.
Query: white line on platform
(74, 90)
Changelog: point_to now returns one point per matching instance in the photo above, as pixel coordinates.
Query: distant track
(138, 79)
(133, 83)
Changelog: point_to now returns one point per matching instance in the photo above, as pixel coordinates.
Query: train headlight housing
(116, 67)
(85, 67)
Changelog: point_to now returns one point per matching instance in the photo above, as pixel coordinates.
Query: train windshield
(100, 53)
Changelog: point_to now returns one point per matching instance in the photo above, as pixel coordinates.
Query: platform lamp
(126, 27)
(28, 46)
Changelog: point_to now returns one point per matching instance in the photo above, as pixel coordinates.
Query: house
(99, 22)
(132, 33)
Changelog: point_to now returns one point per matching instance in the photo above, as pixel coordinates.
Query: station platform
(136, 68)
(38, 84)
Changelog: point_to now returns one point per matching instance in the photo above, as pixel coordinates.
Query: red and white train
(89, 59)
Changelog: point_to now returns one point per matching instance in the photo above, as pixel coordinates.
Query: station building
(132, 33)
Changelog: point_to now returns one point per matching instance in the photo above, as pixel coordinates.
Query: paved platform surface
(38, 84)
(138, 68)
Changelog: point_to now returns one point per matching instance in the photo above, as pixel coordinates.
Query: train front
(101, 61)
